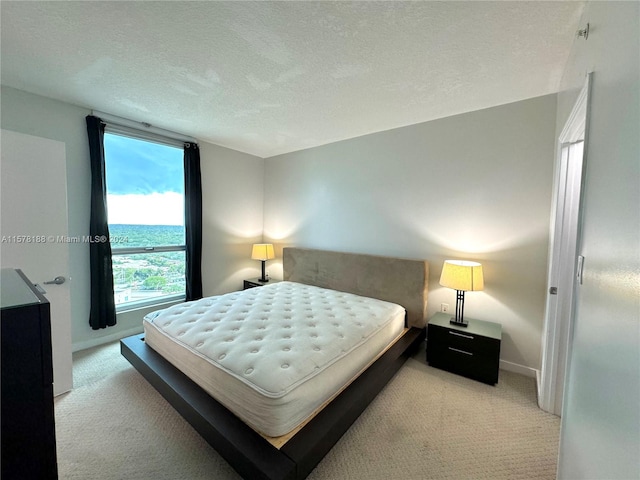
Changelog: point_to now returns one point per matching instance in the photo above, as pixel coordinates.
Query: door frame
(563, 248)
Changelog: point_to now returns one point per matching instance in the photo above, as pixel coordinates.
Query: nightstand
(473, 351)
(255, 282)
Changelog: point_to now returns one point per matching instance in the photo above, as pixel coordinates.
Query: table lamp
(263, 252)
(462, 276)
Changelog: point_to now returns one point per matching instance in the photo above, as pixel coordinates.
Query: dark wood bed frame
(251, 455)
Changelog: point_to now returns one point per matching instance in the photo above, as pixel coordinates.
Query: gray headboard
(396, 280)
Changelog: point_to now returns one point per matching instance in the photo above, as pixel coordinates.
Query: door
(563, 268)
(34, 231)
(564, 265)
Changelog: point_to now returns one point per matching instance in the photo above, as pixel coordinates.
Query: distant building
(122, 295)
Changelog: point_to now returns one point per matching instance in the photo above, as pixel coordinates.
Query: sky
(145, 182)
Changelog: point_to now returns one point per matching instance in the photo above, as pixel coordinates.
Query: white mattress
(274, 354)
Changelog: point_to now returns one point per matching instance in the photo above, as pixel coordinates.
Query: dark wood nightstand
(255, 282)
(473, 351)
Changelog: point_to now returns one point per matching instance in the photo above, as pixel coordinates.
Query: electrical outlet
(444, 307)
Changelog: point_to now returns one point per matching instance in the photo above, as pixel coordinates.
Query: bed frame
(400, 281)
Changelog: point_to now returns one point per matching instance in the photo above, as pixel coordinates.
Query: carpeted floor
(426, 424)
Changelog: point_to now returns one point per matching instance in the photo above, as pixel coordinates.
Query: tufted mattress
(274, 354)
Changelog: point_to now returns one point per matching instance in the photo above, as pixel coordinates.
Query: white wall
(232, 196)
(600, 432)
(473, 186)
(232, 185)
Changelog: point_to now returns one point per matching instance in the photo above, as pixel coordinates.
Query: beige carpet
(426, 424)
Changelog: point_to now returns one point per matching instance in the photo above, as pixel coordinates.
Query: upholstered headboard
(396, 280)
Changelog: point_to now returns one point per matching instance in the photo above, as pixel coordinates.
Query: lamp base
(458, 320)
(263, 278)
(459, 323)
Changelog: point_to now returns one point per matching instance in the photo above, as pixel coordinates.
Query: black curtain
(193, 221)
(103, 308)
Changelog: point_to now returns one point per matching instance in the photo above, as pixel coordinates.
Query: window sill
(159, 303)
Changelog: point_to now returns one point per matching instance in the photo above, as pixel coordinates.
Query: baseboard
(517, 368)
(94, 342)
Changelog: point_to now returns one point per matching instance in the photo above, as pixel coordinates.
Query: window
(145, 207)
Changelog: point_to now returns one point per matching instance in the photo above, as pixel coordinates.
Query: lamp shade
(462, 275)
(262, 251)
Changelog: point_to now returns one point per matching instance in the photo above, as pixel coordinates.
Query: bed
(305, 419)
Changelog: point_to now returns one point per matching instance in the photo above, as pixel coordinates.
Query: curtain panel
(103, 310)
(193, 221)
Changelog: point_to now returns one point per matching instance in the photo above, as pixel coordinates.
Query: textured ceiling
(273, 77)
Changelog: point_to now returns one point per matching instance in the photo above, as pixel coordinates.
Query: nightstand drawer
(478, 367)
(462, 340)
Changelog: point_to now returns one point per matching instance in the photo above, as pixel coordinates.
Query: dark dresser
(27, 421)
(472, 351)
